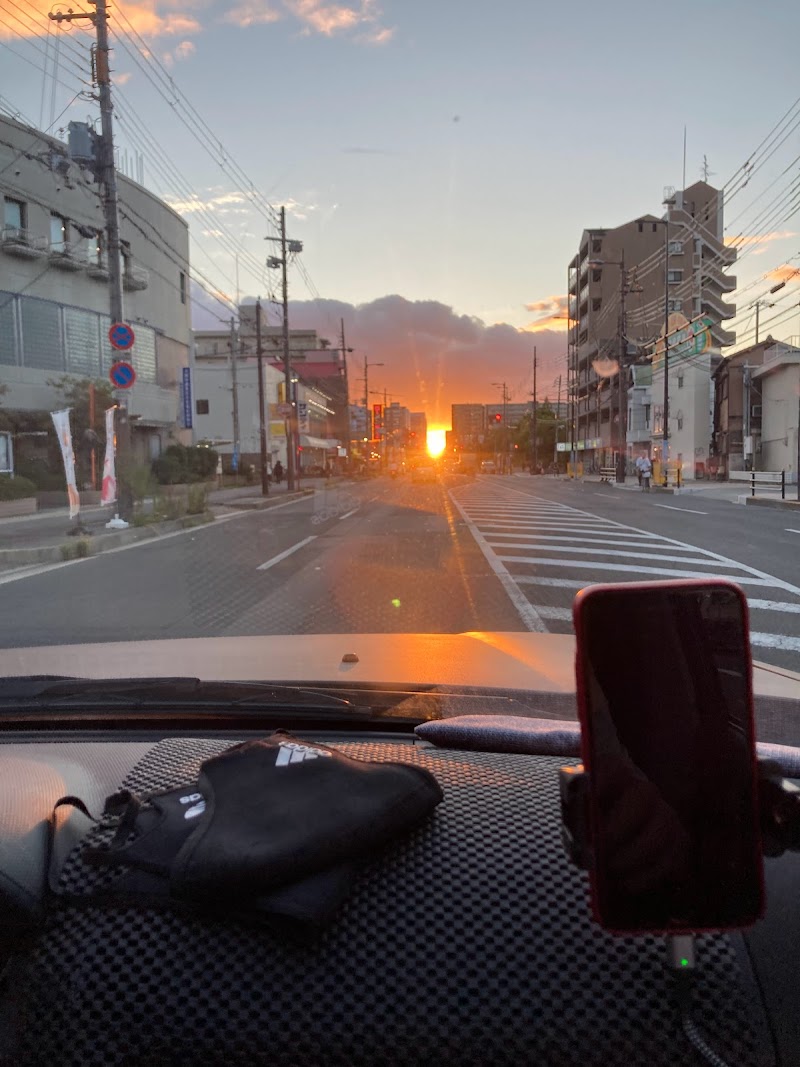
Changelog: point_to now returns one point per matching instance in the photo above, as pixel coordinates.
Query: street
(496, 553)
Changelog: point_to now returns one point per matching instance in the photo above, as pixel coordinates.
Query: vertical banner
(109, 494)
(377, 420)
(186, 397)
(64, 434)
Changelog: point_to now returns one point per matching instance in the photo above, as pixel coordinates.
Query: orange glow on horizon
(436, 442)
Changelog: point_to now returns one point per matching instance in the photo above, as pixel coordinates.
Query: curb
(99, 543)
(260, 503)
(778, 505)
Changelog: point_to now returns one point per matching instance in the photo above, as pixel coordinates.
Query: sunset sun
(436, 442)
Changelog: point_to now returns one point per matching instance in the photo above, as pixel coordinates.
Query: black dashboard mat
(468, 942)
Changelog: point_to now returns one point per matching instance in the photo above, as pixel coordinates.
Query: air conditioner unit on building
(755, 411)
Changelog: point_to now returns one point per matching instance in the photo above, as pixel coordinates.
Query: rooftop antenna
(707, 172)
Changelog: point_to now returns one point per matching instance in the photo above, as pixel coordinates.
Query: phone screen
(664, 681)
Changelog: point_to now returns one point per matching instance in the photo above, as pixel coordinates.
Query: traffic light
(498, 417)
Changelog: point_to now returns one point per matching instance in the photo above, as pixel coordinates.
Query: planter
(11, 508)
(58, 499)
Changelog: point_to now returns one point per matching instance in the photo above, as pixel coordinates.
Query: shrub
(15, 488)
(169, 470)
(196, 500)
(41, 474)
(180, 463)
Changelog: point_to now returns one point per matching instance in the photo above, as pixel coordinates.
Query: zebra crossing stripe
(698, 561)
(623, 568)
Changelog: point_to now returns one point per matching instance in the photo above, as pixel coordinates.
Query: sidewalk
(735, 492)
(50, 536)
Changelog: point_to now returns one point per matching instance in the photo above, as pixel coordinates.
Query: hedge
(15, 488)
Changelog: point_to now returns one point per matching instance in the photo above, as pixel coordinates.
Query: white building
(778, 379)
(54, 292)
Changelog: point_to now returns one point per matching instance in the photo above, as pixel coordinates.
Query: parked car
(488, 466)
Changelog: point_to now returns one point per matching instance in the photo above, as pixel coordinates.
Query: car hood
(487, 660)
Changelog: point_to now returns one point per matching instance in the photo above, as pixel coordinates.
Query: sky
(438, 160)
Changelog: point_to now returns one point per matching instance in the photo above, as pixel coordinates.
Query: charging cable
(681, 964)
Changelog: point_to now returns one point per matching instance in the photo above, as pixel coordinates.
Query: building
(691, 411)
(54, 285)
(468, 422)
(418, 432)
(618, 285)
(737, 424)
(511, 415)
(775, 388)
(320, 384)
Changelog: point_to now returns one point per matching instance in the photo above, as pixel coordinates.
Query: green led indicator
(684, 962)
(395, 603)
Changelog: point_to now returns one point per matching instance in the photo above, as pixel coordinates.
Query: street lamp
(367, 365)
(504, 438)
(665, 449)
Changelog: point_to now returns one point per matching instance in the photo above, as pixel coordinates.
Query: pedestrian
(639, 461)
(278, 472)
(646, 470)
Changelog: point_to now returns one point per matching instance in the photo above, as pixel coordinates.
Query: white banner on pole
(64, 433)
(109, 493)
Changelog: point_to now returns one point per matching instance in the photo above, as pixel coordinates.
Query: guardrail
(764, 481)
(608, 474)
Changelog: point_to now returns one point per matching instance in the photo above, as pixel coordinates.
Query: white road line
(696, 560)
(781, 641)
(562, 614)
(791, 531)
(557, 583)
(773, 605)
(288, 552)
(576, 527)
(671, 507)
(623, 568)
(527, 612)
(349, 513)
(536, 539)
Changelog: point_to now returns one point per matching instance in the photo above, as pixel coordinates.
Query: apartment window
(675, 305)
(647, 416)
(15, 214)
(202, 407)
(597, 275)
(680, 380)
(597, 246)
(58, 233)
(674, 277)
(182, 286)
(680, 422)
(676, 248)
(596, 304)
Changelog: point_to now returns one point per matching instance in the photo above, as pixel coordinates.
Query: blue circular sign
(122, 374)
(121, 336)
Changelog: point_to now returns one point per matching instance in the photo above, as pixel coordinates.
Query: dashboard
(468, 940)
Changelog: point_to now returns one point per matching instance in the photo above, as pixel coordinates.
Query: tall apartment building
(468, 422)
(419, 430)
(622, 283)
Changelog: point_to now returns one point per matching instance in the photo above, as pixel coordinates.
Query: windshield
(385, 318)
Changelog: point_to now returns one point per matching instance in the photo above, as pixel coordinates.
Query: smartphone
(665, 700)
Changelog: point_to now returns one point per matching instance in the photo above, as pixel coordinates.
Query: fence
(763, 481)
(608, 474)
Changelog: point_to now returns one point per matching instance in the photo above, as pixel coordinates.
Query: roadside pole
(262, 423)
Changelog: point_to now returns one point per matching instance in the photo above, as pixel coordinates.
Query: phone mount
(779, 808)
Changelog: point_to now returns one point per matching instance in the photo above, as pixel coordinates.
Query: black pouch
(274, 826)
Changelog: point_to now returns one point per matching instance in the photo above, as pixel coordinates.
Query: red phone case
(584, 717)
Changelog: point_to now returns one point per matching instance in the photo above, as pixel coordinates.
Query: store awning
(317, 442)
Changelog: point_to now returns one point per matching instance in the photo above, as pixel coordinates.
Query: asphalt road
(497, 553)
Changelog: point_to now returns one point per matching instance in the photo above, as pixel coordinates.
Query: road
(497, 553)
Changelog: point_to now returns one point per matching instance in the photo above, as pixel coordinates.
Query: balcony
(22, 243)
(98, 269)
(135, 278)
(66, 256)
(726, 283)
(719, 308)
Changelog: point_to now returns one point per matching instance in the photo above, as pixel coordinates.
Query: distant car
(488, 467)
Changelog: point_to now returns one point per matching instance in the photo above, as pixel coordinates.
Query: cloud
(298, 210)
(252, 13)
(181, 51)
(744, 239)
(217, 203)
(360, 17)
(358, 150)
(433, 357)
(122, 77)
(552, 312)
(784, 274)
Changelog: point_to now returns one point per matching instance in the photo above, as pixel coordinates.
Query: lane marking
(792, 531)
(696, 560)
(288, 552)
(537, 538)
(622, 568)
(773, 605)
(349, 513)
(558, 583)
(671, 507)
(527, 612)
(780, 641)
(562, 614)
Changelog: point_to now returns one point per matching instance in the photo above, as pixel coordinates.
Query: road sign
(121, 336)
(284, 410)
(122, 374)
(235, 459)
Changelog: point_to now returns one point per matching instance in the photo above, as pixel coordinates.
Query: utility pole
(262, 422)
(665, 450)
(535, 427)
(282, 261)
(505, 428)
(622, 415)
(558, 421)
(108, 177)
(346, 421)
(235, 392)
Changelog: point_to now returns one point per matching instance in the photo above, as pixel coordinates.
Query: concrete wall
(780, 400)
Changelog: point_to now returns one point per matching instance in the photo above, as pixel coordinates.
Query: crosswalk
(543, 551)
